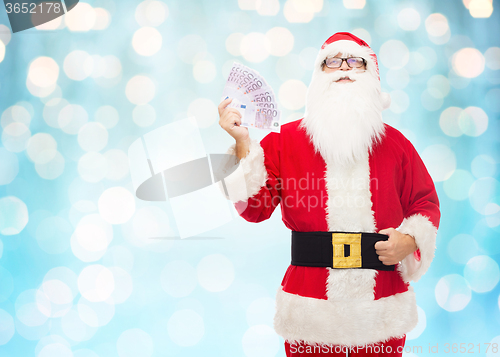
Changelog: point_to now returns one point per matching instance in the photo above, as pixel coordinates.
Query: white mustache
(335, 76)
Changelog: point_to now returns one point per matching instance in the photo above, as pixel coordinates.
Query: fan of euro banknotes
(253, 98)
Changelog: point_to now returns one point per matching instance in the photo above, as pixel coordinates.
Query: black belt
(337, 250)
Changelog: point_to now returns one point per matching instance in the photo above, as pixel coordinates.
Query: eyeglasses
(352, 62)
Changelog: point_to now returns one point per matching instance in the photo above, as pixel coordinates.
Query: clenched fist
(396, 248)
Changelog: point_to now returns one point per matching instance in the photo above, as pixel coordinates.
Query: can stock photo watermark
(26, 14)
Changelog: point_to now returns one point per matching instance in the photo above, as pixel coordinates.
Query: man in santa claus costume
(359, 201)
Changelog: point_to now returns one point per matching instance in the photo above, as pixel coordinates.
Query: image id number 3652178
(470, 348)
(34, 8)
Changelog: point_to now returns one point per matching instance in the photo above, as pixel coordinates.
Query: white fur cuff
(249, 177)
(344, 322)
(424, 232)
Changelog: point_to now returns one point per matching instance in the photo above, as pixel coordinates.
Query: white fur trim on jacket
(249, 177)
(344, 322)
(424, 232)
(349, 205)
(350, 284)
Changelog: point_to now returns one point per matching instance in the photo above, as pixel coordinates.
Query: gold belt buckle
(339, 240)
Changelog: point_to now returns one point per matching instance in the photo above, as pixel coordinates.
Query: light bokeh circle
(75, 328)
(204, 71)
(144, 115)
(178, 278)
(431, 99)
(436, 25)
(13, 215)
(492, 57)
(398, 78)
(7, 328)
(440, 161)
(281, 41)
(95, 314)
(52, 169)
(135, 342)
(400, 101)
(91, 238)
(2, 51)
(15, 137)
(52, 235)
(71, 118)
(9, 166)
(483, 166)
(457, 186)
(7, 286)
(81, 18)
(55, 350)
(43, 72)
(96, 283)
(17, 114)
(41, 148)
(260, 341)
(453, 292)
(189, 46)
(255, 47)
(462, 248)
(93, 137)
(123, 285)
(292, 94)
(394, 54)
(468, 62)
(483, 192)
(140, 90)
(49, 340)
(186, 327)
(78, 65)
(261, 312)
(482, 273)
(295, 15)
(92, 167)
(118, 164)
(102, 19)
(233, 43)
(409, 19)
(149, 222)
(107, 115)
(215, 272)
(473, 121)
(147, 41)
(205, 112)
(268, 7)
(448, 121)
(116, 205)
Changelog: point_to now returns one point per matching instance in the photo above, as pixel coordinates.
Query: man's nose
(344, 66)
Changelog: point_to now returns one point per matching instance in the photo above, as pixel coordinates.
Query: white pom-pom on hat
(385, 98)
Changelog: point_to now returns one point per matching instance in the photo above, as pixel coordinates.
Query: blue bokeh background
(79, 273)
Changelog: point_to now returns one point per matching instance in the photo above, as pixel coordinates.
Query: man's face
(343, 67)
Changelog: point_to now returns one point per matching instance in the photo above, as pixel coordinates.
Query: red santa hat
(349, 45)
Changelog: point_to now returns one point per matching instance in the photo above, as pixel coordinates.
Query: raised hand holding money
(230, 121)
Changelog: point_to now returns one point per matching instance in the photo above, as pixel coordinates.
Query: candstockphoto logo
(24, 15)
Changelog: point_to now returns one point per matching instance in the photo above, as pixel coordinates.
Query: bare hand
(396, 248)
(230, 121)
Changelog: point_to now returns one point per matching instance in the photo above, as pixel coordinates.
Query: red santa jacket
(390, 187)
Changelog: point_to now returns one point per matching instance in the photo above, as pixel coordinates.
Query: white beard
(343, 120)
